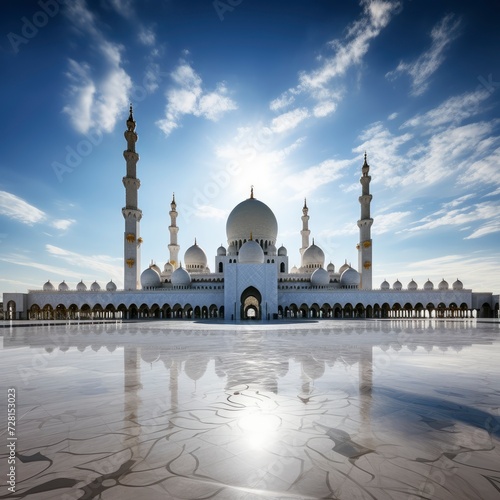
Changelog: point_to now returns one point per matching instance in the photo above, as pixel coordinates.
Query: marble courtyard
(387, 409)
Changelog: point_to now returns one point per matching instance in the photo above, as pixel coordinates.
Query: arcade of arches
(250, 304)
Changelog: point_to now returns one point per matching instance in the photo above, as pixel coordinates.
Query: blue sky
(285, 96)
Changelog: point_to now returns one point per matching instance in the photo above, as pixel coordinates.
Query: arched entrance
(250, 304)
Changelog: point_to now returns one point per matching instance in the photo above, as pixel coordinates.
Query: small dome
(397, 285)
(271, 250)
(385, 285)
(111, 287)
(350, 277)
(168, 268)
(313, 257)
(320, 277)
(81, 287)
(95, 287)
(458, 285)
(180, 277)
(63, 287)
(155, 267)
(195, 258)
(282, 252)
(429, 285)
(412, 285)
(221, 251)
(330, 268)
(251, 253)
(48, 287)
(443, 285)
(150, 278)
(343, 267)
(231, 249)
(294, 270)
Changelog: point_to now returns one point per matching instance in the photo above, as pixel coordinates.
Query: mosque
(251, 278)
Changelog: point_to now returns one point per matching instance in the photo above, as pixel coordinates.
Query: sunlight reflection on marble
(333, 409)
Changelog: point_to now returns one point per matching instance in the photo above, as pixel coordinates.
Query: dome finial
(251, 236)
(131, 115)
(195, 241)
(313, 241)
(305, 202)
(251, 191)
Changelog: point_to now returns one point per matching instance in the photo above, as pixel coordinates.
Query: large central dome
(251, 217)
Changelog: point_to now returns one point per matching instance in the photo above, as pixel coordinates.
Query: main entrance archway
(250, 303)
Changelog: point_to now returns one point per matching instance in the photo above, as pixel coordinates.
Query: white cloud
(485, 229)
(188, 97)
(453, 111)
(209, 212)
(281, 102)
(289, 120)
(392, 116)
(310, 179)
(147, 36)
(484, 170)
(427, 64)
(349, 52)
(388, 222)
(446, 217)
(104, 266)
(96, 101)
(17, 209)
(63, 224)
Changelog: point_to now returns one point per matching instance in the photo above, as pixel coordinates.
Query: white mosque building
(251, 278)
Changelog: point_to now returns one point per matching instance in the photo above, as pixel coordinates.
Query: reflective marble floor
(182, 410)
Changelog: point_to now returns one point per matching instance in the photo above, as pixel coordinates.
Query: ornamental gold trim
(367, 244)
(139, 240)
(130, 237)
(130, 262)
(367, 264)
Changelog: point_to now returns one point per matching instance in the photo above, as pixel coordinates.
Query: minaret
(131, 213)
(173, 247)
(305, 230)
(365, 224)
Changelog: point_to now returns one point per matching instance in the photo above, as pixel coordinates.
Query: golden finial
(251, 236)
(251, 191)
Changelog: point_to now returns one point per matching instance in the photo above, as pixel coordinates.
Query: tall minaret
(131, 213)
(305, 230)
(173, 247)
(365, 224)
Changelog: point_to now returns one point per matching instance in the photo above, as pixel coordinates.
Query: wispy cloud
(95, 100)
(63, 224)
(20, 210)
(308, 180)
(453, 111)
(104, 266)
(187, 97)
(147, 36)
(348, 52)
(427, 63)
(485, 213)
(289, 120)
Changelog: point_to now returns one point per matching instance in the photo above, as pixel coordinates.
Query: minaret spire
(365, 223)
(173, 247)
(305, 231)
(131, 212)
